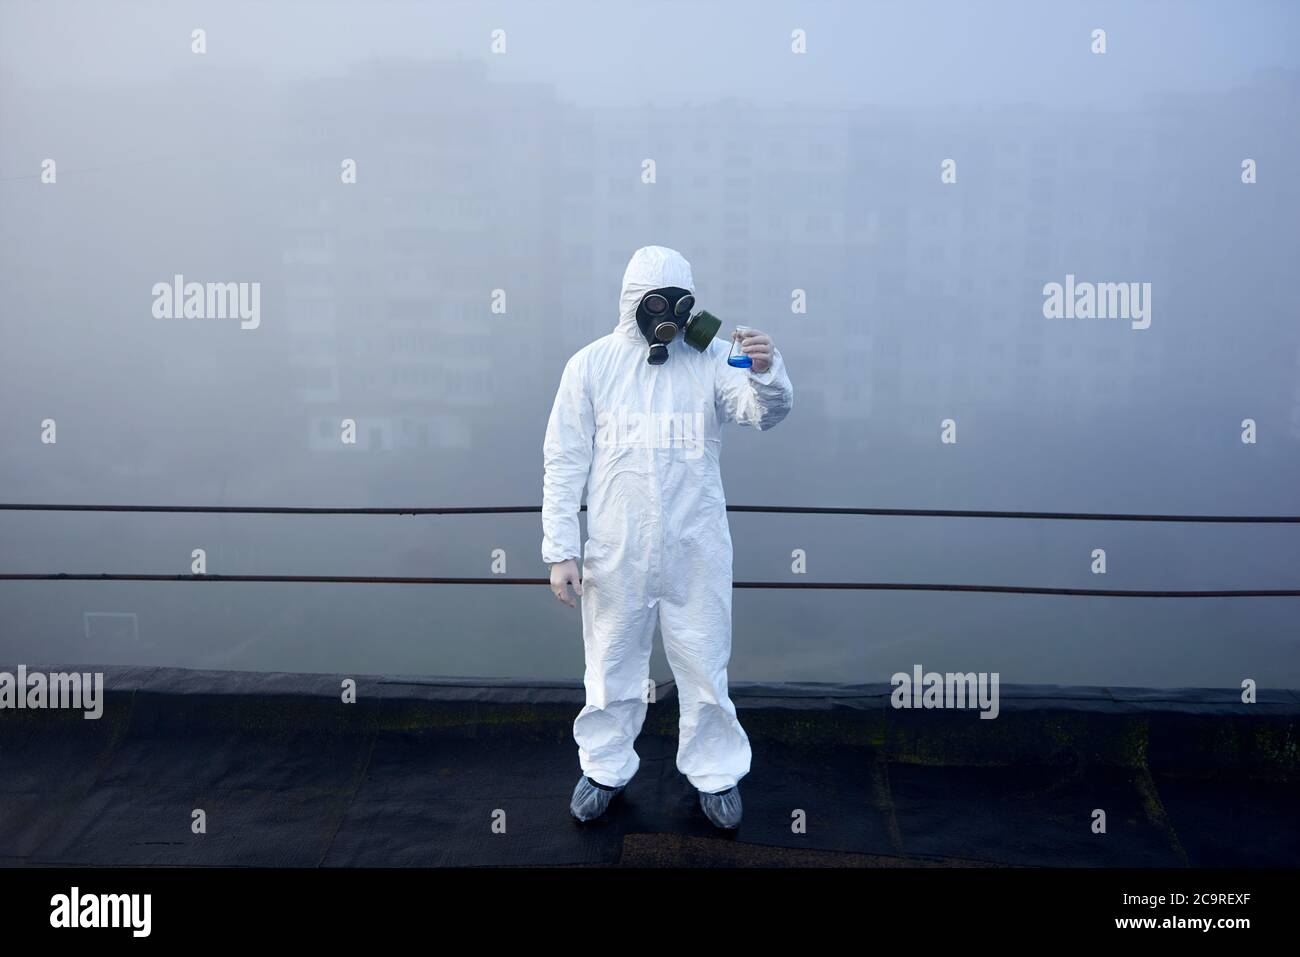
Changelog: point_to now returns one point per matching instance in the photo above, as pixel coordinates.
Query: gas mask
(663, 313)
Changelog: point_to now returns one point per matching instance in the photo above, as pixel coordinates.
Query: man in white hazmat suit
(642, 432)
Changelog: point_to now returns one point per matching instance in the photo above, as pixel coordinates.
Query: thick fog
(888, 205)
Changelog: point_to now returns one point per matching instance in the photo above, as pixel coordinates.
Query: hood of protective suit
(651, 267)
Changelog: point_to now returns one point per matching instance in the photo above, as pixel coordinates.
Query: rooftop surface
(463, 772)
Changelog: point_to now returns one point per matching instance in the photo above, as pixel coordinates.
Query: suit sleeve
(758, 399)
(566, 454)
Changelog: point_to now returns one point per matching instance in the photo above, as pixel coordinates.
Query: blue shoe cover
(591, 800)
(722, 809)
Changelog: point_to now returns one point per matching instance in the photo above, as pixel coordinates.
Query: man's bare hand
(563, 575)
(758, 346)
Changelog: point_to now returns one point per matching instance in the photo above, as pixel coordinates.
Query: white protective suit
(645, 441)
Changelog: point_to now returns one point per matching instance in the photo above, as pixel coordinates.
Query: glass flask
(738, 358)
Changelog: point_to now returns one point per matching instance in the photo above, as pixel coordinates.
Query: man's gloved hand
(758, 346)
(564, 574)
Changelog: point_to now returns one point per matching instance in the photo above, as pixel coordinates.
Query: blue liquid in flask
(738, 358)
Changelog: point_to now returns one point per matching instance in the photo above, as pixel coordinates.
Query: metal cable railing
(776, 509)
(503, 580)
(773, 509)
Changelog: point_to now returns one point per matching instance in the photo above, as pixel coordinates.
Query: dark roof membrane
(417, 769)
